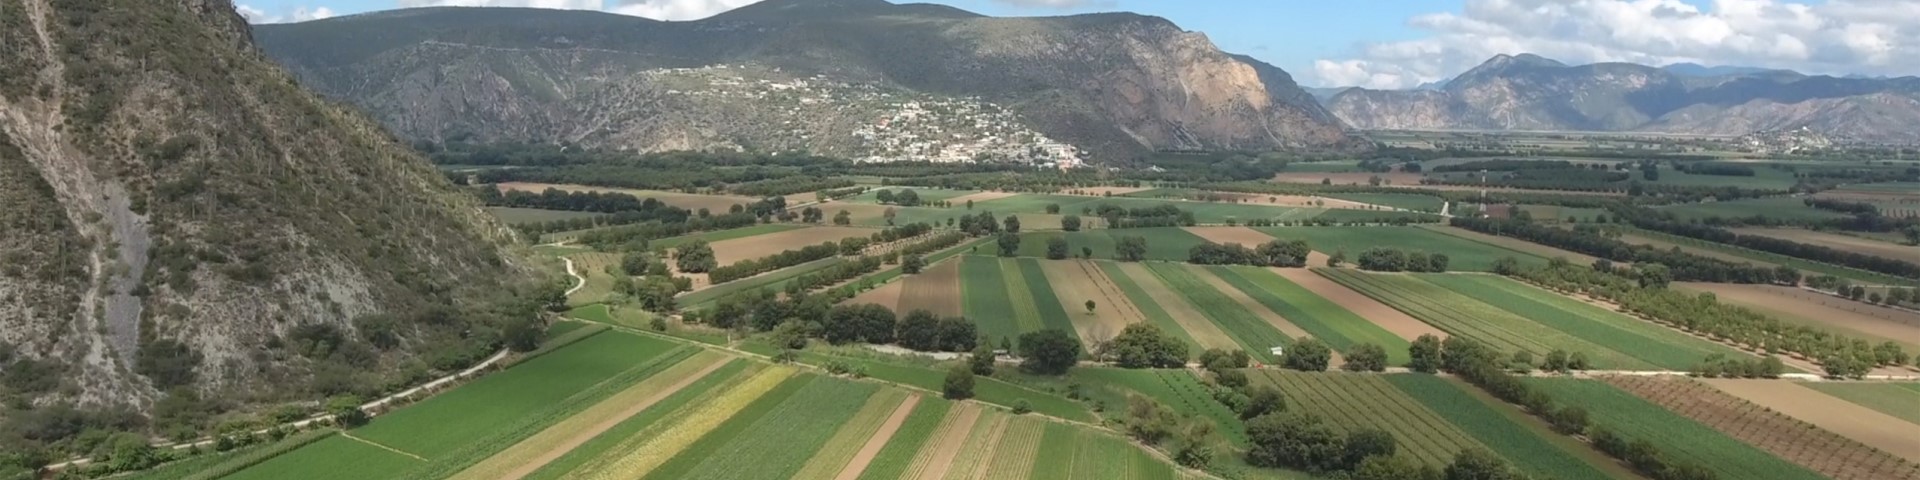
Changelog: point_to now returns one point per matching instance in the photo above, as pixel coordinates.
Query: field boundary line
(348, 435)
(864, 457)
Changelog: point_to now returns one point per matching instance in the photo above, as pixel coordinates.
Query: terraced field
(1653, 344)
(1671, 432)
(1468, 317)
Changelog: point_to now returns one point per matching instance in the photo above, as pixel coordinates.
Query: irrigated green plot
(1654, 344)
(1325, 320)
(1675, 435)
(335, 458)
(1462, 254)
(451, 421)
(983, 290)
(692, 394)
(1532, 448)
(1467, 317)
(782, 441)
(1178, 389)
(1247, 329)
(984, 389)
(691, 457)
(1901, 400)
(1040, 293)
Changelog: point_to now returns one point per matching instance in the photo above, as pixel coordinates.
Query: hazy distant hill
(1117, 84)
(1528, 92)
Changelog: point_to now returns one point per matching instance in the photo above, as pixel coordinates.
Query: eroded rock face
(1116, 84)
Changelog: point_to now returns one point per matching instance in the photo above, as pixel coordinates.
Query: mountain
(830, 76)
(1698, 70)
(180, 218)
(1528, 92)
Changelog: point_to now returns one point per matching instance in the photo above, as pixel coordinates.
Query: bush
(1022, 407)
(959, 384)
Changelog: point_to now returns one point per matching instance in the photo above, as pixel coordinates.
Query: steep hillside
(1527, 92)
(178, 212)
(1113, 84)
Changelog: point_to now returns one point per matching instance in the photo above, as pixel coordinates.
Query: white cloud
(1878, 37)
(678, 9)
(298, 14)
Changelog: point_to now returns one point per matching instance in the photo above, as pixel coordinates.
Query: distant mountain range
(830, 76)
(1529, 92)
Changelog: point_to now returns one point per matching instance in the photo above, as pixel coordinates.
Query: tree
(1478, 464)
(982, 359)
(346, 411)
(1913, 235)
(634, 264)
(1338, 257)
(920, 330)
(912, 264)
(1086, 252)
(1294, 440)
(1426, 354)
(1049, 352)
(1655, 276)
(1218, 360)
(1057, 248)
(889, 214)
(1144, 345)
(1571, 420)
(1090, 306)
(1856, 292)
(959, 384)
(843, 218)
(884, 196)
(1070, 223)
(969, 204)
(1053, 209)
(1130, 248)
(1263, 400)
(1012, 223)
(1556, 361)
(1392, 468)
(1308, 354)
(1367, 442)
(1366, 357)
(1009, 244)
(1522, 361)
(1437, 263)
(695, 257)
(1578, 361)
(523, 335)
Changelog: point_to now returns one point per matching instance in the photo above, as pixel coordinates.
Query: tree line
(1277, 253)
(1660, 221)
(1588, 239)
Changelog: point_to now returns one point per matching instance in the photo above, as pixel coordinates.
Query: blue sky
(1401, 43)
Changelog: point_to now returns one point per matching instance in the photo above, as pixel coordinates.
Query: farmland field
(720, 235)
(1352, 402)
(1007, 297)
(915, 432)
(335, 458)
(775, 279)
(595, 266)
(1468, 317)
(1781, 416)
(1076, 282)
(781, 442)
(1738, 254)
(1380, 314)
(1506, 430)
(1204, 212)
(1462, 254)
(1246, 328)
(1671, 432)
(926, 194)
(1163, 243)
(1843, 242)
(1323, 319)
(1423, 203)
(512, 215)
(1165, 307)
(1901, 400)
(1780, 208)
(1654, 344)
(699, 392)
(1178, 389)
(733, 250)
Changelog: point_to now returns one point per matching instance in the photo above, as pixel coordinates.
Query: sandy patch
(936, 289)
(1366, 307)
(537, 451)
(1260, 310)
(690, 201)
(979, 197)
(878, 441)
(1076, 281)
(933, 460)
(1844, 242)
(885, 295)
(1515, 244)
(730, 251)
(1811, 307)
(1864, 425)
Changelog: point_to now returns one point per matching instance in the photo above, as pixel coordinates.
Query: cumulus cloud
(298, 14)
(1876, 37)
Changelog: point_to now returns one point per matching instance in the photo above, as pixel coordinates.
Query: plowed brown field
(1822, 451)
(937, 290)
(735, 250)
(1076, 281)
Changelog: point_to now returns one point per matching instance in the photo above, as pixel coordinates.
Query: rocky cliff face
(1115, 84)
(177, 207)
(1527, 92)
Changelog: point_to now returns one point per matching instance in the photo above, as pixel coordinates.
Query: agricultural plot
(1387, 318)
(869, 430)
(989, 390)
(1738, 254)
(1507, 431)
(723, 235)
(1673, 433)
(1802, 425)
(596, 266)
(1076, 454)
(926, 194)
(514, 216)
(336, 458)
(1468, 317)
(640, 454)
(1780, 208)
(1891, 250)
(1352, 402)
(1076, 282)
(1203, 212)
(1247, 329)
(936, 289)
(1178, 389)
(1007, 297)
(1409, 201)
(1901, 400)
(701, 391)
(1763, 178)
(781, 442)
(1514, 244)
(1323, 319)
(731, 251)
(916, 432)
(1165, 307)
(1654, 344)
(1163, 243)
(1462, 254)
(776, 280)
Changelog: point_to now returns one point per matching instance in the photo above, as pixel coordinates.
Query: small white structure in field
(1276, 351)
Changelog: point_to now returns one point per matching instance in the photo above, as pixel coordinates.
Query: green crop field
(1007, 297)
(1462, 254)
(1505, 430)
(1424, 203)
(1807, 266)
(782, 441)
(1901, 400)
(1654, 344)
(1151, 309)
(728, 234)
(1327, 321)
(1070, 453)
(335, 458)
(776, 280)
(1163, 243)
(1246, 328)
(733, 427)
(984, 389)
(693, 394)
(926, 194)
(1351, 401)
(448, 422)
(512, 215)
(1673, 434)
(894, 458)
(1780, 208)
(1178, 389)
(1466, 316)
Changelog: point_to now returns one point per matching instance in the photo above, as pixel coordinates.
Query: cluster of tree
(841, 272)
(815, 316)
(1718, 365)
(1142, 345)
(1394, 260)
(1164, 215)
(695, 256)
(1714, 168)
(985, 224)
(1130, 248)
(1307, 355)
(687, 178)
(1705, 315)
(1009, 178)
(1588, 239)
(1894, 296)
(1050, 351)
(1277, 253)
(1188, 438)
(1302, 441)
(906, 197)
(1661, 221)
(788, 185)
(1482, 366)
(751, 267)
(557, 199)
(838, 193)
(901, 232)
(636, 237)
(1506, 165)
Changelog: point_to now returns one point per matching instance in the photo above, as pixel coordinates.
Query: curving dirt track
(1825, 452)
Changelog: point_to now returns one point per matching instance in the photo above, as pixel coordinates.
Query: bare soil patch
(1514, 244)
(1850, 243)
(564, 437)
(1244, 236)
(730, 251)
(1878, 430)
(885, 295)
(979, 197)
(1825, 452)
(1077, 281)
(690, 201)
(878, 441)
(1386, 317)
(938, 454)
(1900, 326)
(1260, 310)
(936, 289)
(1190, 319)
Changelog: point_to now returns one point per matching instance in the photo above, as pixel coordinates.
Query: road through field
(1875, 429)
